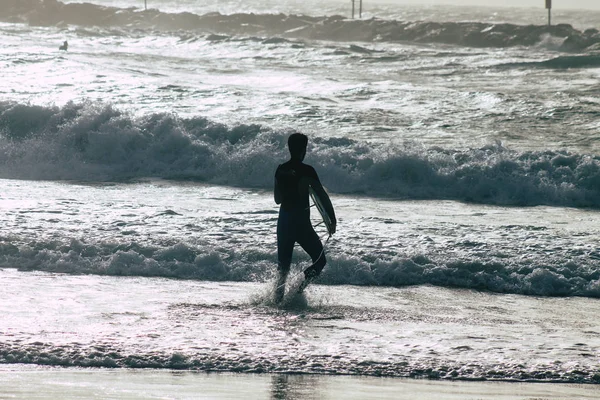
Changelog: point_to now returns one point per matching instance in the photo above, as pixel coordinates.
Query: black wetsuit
(293, 225)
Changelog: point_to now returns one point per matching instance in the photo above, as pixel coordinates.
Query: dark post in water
(359, 8)
(145, 4)
(549, 7)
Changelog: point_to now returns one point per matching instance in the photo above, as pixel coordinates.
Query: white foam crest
(96, 142)
(182, 260)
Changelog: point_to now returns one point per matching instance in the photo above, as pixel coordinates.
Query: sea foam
(96, 142)
(552, 276)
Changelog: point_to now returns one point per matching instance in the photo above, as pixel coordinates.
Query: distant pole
(549, 7)
(353, 8)
(360, 9)
(145, 4)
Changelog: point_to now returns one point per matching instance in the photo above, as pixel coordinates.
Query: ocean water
(460, 147)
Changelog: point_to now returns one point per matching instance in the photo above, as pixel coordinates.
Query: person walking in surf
(292, 182)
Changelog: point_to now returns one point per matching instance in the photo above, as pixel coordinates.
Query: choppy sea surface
(460, 147)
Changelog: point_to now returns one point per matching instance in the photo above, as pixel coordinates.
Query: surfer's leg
(285, 248)
(285, 241)
(283, 270)
(280, 286)
(310, 242)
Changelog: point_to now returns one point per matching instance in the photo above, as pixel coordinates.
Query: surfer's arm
(277, 192)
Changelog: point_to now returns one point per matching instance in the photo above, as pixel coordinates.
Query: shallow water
(216, 233)
(420, 331)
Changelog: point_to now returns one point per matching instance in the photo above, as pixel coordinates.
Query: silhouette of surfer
(64, 46)
(292, 181)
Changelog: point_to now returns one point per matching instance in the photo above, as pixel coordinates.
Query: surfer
(292, 182)
(64, 46)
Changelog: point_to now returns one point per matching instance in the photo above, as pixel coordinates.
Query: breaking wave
(111, 355)
(472, 34)
(549, 275)
(96, 142)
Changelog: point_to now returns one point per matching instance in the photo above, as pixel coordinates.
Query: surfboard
(327, 220)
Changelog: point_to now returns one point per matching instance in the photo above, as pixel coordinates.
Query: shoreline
(22, 381)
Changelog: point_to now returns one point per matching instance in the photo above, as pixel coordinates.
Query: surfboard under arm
(323, 204)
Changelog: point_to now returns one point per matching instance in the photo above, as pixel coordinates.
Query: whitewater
(459, 145)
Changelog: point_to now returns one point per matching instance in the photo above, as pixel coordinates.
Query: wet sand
(19, 381)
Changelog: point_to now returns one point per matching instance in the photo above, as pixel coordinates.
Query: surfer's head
(297, 143)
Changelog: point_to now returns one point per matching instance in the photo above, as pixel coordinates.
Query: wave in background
(473, 34)
(96, 142)
(560, 63)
